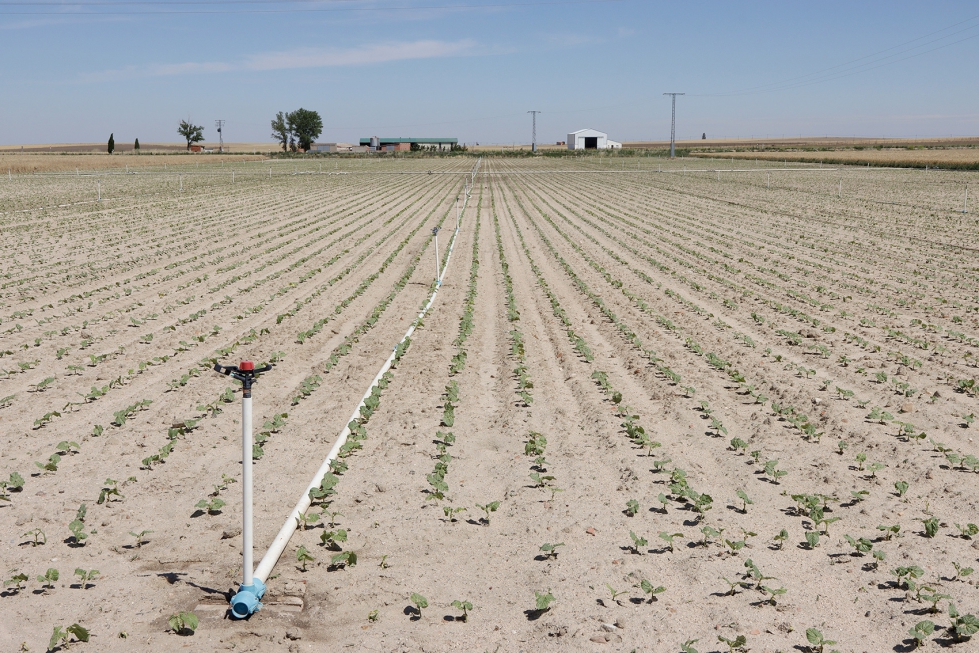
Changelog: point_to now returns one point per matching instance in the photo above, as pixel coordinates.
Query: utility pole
(220, 125)
(673, 125)
(533, 143)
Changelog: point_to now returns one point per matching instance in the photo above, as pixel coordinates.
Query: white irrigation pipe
(289, 527)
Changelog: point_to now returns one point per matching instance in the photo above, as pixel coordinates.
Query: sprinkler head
(247, 366)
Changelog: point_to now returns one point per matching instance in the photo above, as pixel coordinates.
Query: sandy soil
(694, 305)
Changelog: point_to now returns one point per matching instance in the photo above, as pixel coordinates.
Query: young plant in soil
(744, 501)
(48, 579)
(739, 644)
(817, 642)
(493, 506)
(303, 556)
(345, 559)
(332, 539)
(62, 637)
(140, 537)
(649, 588)
(638, 543)
(85, 577)
(212, 507)
(183, 623)
(543, 601)
(16, 581)
(780, 539)
(550, 550)
(668, 538)
(420, 603)
(631, 507)
(465, 606)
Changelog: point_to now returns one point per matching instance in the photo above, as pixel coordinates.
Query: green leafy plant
(543, 601)
(668, 538)
(420, 602)
(961, 572)
(492, 506)
(860, 546)
(812, 539)
(37, 535)
(110, 488)
(450, 512)
(140, 537)
(739, 643)
(931, 526)
(817, 641)
(550, 550)
(921, 631)
(63, 637)
(16, 581)
(780, 539)
(85, 577)
(51, 465)
(77, 528)
(465, 606)
(963, 626)
(745, 501)
(303, 556)
(332, 539)
(631, 507)
(968, 531)
(49, 578)
(687, 646)
(615, 593)
(183, 623)
(345, 559)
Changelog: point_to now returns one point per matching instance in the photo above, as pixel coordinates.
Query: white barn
(591, 139)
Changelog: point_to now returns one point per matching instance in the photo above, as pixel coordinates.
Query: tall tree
(136, 146)
(193, 133)
(306, 126)
(280, 130)
(112, 143)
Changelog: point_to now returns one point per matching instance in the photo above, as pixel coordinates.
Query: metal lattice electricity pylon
(220, 125)
(673, 125)
(533, 143)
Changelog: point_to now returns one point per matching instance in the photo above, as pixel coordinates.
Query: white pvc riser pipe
(247, 513)
(281, 540)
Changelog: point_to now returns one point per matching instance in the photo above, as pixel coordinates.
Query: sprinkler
(246, 601)
(438, 272)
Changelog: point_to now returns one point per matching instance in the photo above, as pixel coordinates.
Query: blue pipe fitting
(246, 601)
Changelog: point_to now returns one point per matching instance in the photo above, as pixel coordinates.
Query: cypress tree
(112, 143)
(136, 146)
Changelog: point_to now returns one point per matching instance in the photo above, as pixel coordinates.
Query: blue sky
(75, 72)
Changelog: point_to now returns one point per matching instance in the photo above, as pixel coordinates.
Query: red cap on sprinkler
(247, 366)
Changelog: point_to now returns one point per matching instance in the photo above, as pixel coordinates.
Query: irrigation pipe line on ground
(289, 527)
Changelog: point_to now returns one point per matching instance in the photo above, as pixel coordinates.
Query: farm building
(402, 144)
(591, 139)
(337, 148)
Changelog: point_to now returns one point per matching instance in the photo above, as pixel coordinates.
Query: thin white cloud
(297, 58)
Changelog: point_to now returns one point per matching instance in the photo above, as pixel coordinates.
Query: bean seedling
(345, 559)
(649, 588)
(303, 556)
(817, 641)
(183, 623)
(420, 602)
(921, 631)
(631, 507)
(780, 539)
(744, 501)
(638, 543)
(615, 593)
(16, 581)
(550, 550)
(62, 637)
(961, 572)
(331, 539)
(465, 606)
(543, 601)
(85, 577)
(212, 507)
(739, 643)
(140, 537)
(964, 626)
(48, 579)
(109, 489)
(38, 535)
(493, 506)
(668, 537)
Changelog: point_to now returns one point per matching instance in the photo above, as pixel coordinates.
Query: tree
(306, 127)
(704, 136)
(280, 130)
(112, 143)
(193, 133)
(136, 146)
